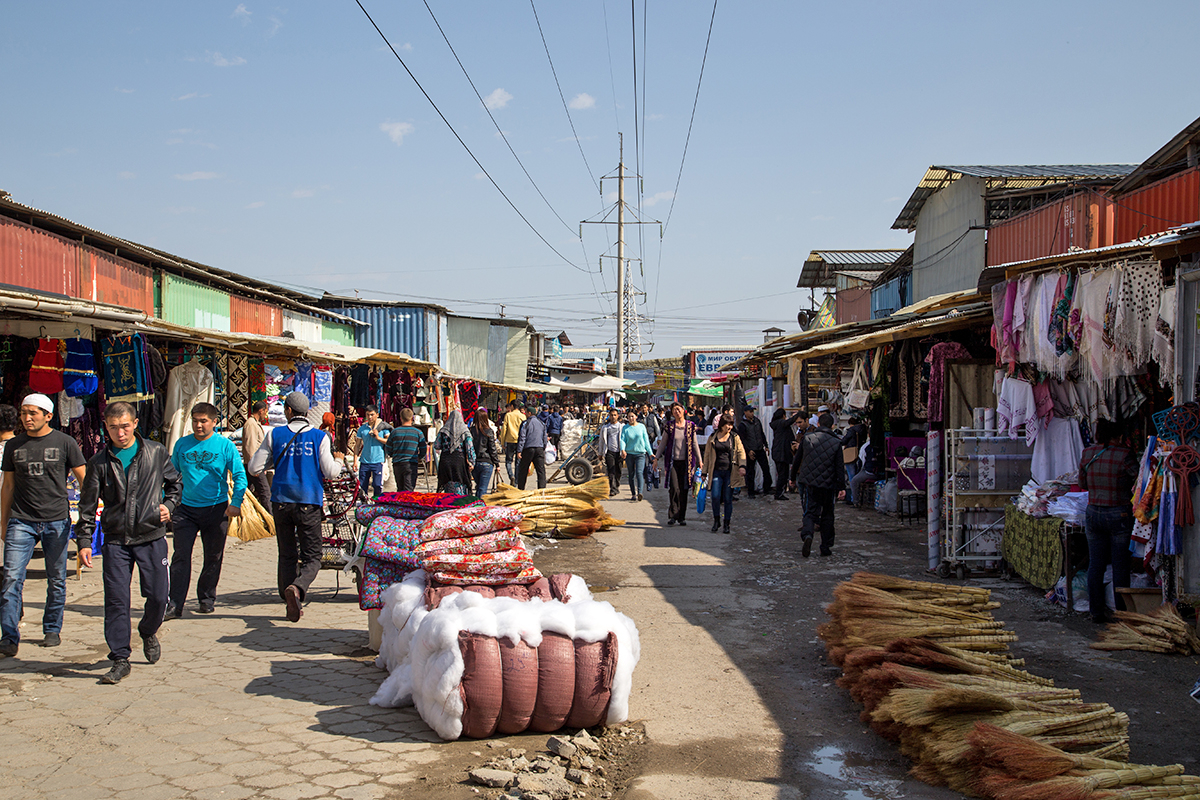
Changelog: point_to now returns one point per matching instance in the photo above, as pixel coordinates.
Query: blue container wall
(396, 329)
(890, 297)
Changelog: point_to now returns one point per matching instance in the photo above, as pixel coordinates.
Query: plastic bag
(551, 453)
(886, 495)
(701, 499)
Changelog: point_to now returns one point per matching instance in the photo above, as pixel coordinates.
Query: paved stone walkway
(242, 704)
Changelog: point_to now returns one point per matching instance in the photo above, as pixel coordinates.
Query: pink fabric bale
(493, 542)
(519, 665)
(595, 663)
(556, 683)
(482, 686)
(516, 592)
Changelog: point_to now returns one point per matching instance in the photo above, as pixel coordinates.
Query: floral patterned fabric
(431, 500)
(462, 522)
(367, 514)
(377, 576)
(392, 540)
(492, 542)
(504, 562)
(530, 574)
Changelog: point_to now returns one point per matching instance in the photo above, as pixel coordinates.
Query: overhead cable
(464, 144)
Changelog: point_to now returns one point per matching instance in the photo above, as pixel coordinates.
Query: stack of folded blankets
(456, 540)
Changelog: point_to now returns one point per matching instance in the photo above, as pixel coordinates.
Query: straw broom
(254, 522)
(1160, 631)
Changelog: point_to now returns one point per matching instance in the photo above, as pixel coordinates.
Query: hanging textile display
(46, 375)
(468, 393)
(237, 390)
(360, 375)
(79, 368)
(258, 380)
(938, 355)
(322, 384)
(124, 369)
(304, 380)
(188, 384)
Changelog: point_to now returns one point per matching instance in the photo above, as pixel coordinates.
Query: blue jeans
(19, 542)
(1108, 532)
(370, 479)
(721, 494)
(482, 474)
(510, 462)
(635, 463)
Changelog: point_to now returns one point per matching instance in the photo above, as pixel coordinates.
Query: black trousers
(612, 465)
(818, 512)
(681, 481)
(537, 457)
(260, 487)
(298, 534)
(406, 475)
(210, 522)
(781, 477)
(155, 581)
(752, 465)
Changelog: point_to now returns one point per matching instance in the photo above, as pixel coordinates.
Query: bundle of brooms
(567, 511)
(254, 522)
(1160, 631)
(928, 663)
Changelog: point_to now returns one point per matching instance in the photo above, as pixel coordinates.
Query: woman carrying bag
(677, 447)
(456, 455)
(724, 470)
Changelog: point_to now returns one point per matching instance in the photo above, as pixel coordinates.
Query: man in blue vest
(302, 459)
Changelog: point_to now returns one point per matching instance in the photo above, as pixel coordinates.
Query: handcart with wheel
(341, 537)
(584, 461)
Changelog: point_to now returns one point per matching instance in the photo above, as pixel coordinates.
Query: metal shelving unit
(982, 471)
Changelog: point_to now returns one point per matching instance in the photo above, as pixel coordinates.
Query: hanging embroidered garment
(1007, 337)
(124, 369)
(322, 381)
(1060, 319)
(79, 368)
(258, 380)
(237, 389)
(1021, 318)
(46, 375)
(1137, 309)
(938, 355)
(187, 385)
(1093, 301)
(1017, 407)
(304, 382)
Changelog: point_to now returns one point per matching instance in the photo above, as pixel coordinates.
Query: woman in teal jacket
(635, 448)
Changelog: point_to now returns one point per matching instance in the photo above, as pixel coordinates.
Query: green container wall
(337, 333)
(189, 303)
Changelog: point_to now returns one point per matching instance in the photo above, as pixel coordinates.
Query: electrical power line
(561, 96)
(612, 80)
(483, 103)
(464, 144)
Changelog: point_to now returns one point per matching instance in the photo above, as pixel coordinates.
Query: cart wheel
(943, 569)
(578, 471)
(961, 572)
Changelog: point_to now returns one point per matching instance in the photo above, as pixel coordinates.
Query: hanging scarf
(1060, 320)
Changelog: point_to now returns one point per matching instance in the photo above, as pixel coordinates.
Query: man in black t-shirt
(33, 509)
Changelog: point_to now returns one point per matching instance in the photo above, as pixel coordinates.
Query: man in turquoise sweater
(206, 462)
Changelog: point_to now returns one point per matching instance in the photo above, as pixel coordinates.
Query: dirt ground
(827, 752)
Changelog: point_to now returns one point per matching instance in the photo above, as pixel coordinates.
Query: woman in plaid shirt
(1107, 472)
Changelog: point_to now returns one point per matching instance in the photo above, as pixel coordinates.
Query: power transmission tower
(629, 335)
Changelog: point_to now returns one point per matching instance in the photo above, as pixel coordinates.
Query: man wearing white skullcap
(34, 509)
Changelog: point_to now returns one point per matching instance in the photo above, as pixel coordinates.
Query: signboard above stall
(711, 364)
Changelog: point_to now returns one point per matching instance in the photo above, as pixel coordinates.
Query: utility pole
(621, 260)
(626, 314)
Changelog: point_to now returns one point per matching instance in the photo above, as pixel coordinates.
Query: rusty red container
(853, 305)
(1082, 220)
(253, 316)
(111, 279)
(1161, 205)
(34, 259)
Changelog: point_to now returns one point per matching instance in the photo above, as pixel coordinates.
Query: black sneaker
(120, 669)
(782, 497)
(173, 612)
(51, 640)
(683, 522)
(151, 648)
(825, 552)
(8, 649)
(206, 607)
(669, 523)
(807, 549)
(716, 525)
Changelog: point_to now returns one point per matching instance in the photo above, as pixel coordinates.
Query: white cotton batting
(422, 653)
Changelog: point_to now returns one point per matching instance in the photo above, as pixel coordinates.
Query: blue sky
(283, 141)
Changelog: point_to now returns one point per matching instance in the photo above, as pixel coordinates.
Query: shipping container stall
(889, 297)
(105, 278)
(1161, 205)
(193, 304)
(395, 329)
(33, 259)
(468, 350)
(253, 316)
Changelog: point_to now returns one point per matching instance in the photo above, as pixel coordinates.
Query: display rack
(983, 470)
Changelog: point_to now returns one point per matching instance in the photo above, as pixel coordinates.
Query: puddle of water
(858, 776)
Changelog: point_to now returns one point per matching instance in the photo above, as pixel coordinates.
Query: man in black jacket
(783, 448)
(140, 488)
(824, 475)
(755, 441)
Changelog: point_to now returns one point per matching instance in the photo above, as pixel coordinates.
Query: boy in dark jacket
(140, 488)
(823, 474)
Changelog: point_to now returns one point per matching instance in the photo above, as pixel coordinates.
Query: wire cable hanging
(463, 143)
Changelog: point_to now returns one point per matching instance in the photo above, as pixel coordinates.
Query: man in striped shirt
(406, 448)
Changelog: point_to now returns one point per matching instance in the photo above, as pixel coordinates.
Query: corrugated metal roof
(1027, 176)
(818, 269)
(883, 257)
